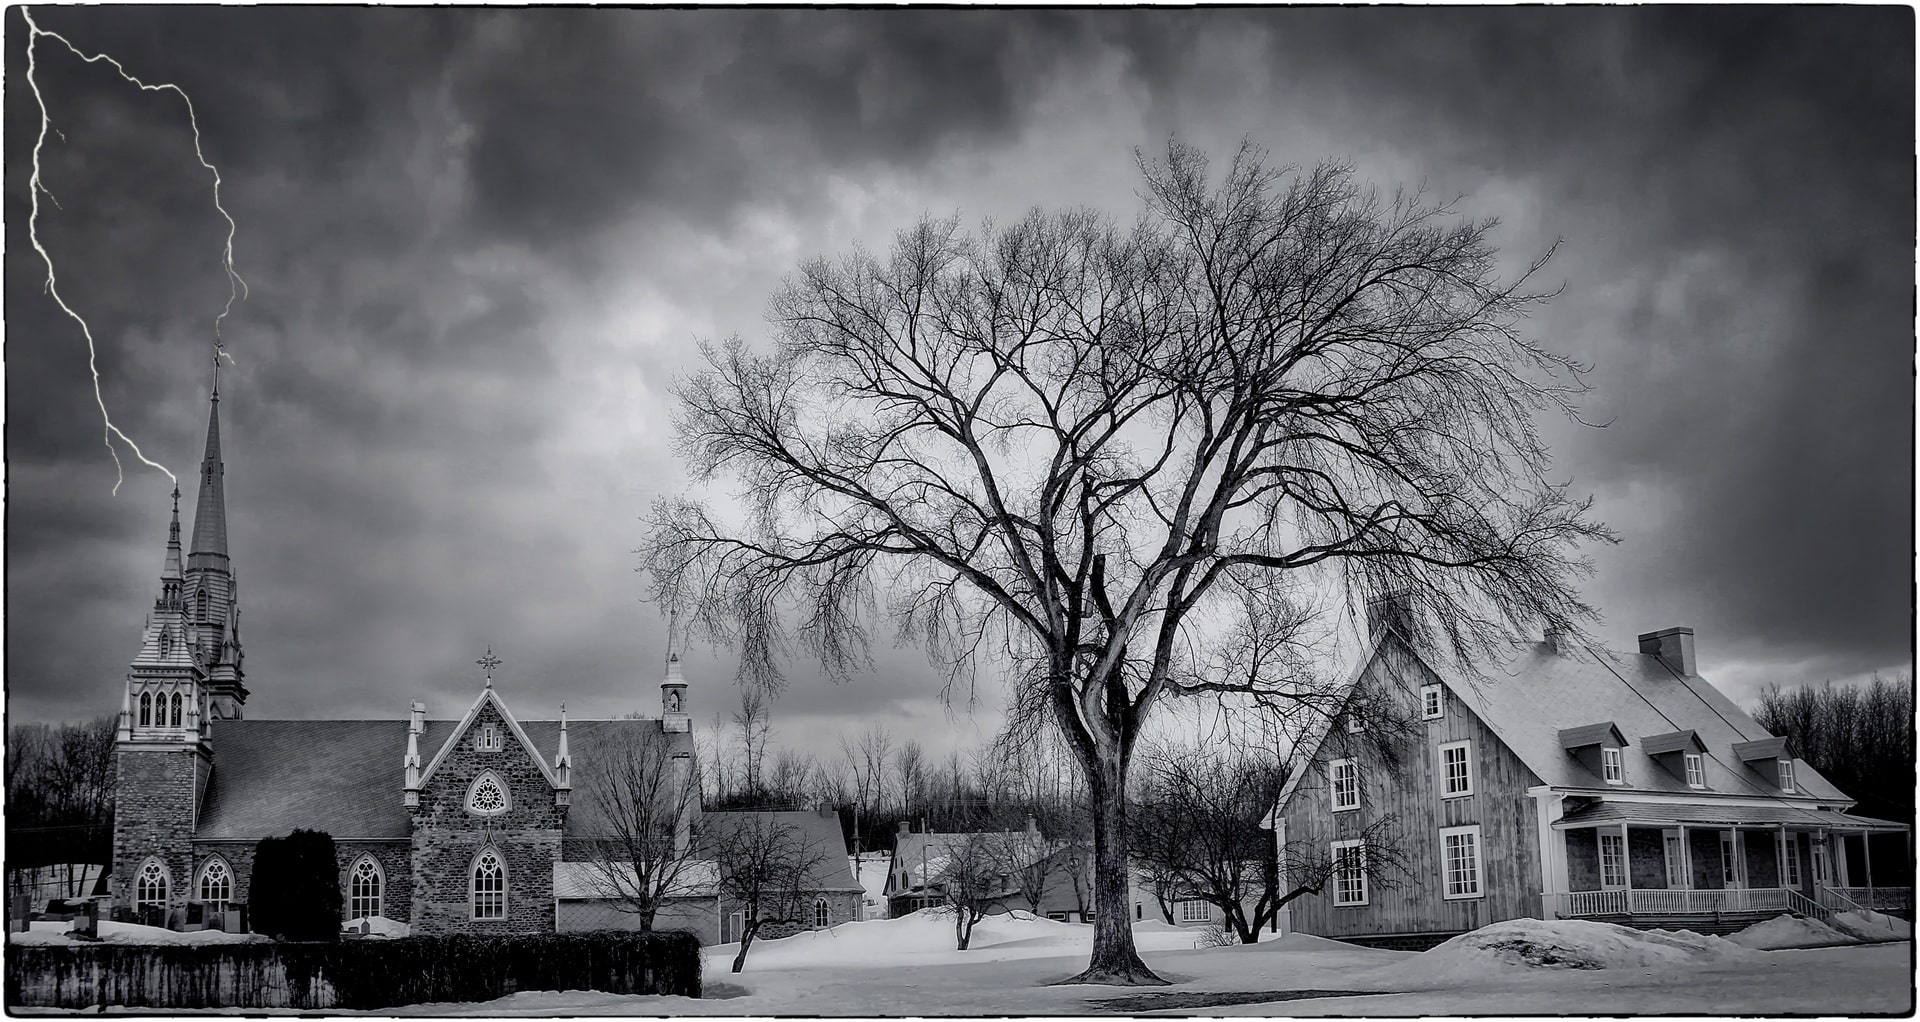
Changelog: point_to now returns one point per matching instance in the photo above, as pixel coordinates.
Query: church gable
(489, 727)
(488, 773)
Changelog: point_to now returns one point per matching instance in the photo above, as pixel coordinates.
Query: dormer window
(1696, 771)
(1786, 776)
(1432, 707)
(1610, 769)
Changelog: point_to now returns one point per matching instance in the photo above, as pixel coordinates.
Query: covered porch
(1721, 867)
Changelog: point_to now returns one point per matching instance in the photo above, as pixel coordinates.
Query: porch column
(1547, 807)
(1866, 859)
(1837, 851)
(1686, 867)
(1626, 864)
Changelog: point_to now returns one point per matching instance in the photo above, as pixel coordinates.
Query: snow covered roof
(592, 880)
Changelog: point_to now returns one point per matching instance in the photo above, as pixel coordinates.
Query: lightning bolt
(236, 286)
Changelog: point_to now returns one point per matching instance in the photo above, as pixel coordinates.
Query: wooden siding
(1404, 782)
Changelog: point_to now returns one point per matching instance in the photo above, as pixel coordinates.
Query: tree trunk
(962, 928)
(1114, 959)
(746, 941)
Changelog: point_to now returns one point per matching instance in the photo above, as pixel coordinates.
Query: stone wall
(1647, 858)
(448, 838)
(1583, 859)
(154, 794)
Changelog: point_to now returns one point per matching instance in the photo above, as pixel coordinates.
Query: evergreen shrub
(294, 893)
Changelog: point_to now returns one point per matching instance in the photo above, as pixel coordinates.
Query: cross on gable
(488, 663)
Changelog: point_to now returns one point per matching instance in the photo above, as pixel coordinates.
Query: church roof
(346, 777)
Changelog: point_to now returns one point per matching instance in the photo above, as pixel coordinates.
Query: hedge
(350, 974)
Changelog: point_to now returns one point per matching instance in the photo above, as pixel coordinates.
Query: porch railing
(1675, 902)
(1879, 899)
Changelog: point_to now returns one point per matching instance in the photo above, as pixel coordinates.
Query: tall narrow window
(1613, 860)
(1822, 872)
(1461, 861)
(1676, 862)
(1346, 785)
(1432, 707)
(166, 642)
(489, 887)
(1786, 776)
(1349, 873)
(820, 916)
(146, 709)
(1790, 862)
(364, 889)
(1696, 771)
(1456, 769)
(1610, 766)
(1729, 861)
(216, 885)
(176, 710)
(150, 885)
(201, 601)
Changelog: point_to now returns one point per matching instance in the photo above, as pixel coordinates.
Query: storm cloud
(482, 243)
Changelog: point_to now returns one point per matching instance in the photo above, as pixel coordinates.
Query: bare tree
(762, 866)
(910, 764)
(972, 880)
(1860, 737)
(866, 759)
(1027, 862)
(1088, 446)
(1201, 836)
(754, 722)
(645, 829)
(1306, 866)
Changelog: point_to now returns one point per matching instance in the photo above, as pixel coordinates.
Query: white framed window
(1194, 910)
(1432, 706)
(820, 916)
(488, 795)
(1790, 862)
(487, 739)
(1346, 785)
(365, 885)
(1349, 873)
(489, 886)
(1610, 769)
(1613, 860)
(1354, 724)
(1456, 769)
(150, 885)
(1822, 870)
(1696, 771)
(1786, 776)
(1460, 861)
(1676, 861)
(216, 884)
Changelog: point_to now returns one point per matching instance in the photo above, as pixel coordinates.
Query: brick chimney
(906, 827)
(1674, 647)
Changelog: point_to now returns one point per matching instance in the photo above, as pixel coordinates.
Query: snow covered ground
(56, 932)
(908, 967)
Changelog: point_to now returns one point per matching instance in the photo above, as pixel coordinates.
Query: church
(477, 824)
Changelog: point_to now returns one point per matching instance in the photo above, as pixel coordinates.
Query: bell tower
(673, 691)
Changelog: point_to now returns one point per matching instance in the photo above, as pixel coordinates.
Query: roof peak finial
(488, 663)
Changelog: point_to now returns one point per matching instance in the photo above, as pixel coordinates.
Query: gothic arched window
(489, 886)
(150, 885)
(176, 710)
(216, 884)
(364, 885)
(166, 642)
(146, 709)
(819, 911)
(488, 796)
(203, 605)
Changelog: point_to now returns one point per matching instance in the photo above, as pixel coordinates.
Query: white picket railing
(1673, 902)
(1880, 899)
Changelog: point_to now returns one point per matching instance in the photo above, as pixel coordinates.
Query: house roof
(346, 777)
(1663, 814)
(830, 869)
(925, 855)
(589, 881)
(1529, 699)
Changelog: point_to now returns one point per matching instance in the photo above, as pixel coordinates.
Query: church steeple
(171, 577)
(211, 593)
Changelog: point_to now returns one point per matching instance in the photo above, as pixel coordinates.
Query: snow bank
(58, 932)
(926, 937)
(1786, 931)
(1868, 925)
(1563, 944)
(377, 926)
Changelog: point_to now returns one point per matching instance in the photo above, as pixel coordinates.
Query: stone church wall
(153, 816)
(447, 838)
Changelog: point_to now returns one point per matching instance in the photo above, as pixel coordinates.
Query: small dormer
(1771, 759)
(1680, 753)
(1598, 748)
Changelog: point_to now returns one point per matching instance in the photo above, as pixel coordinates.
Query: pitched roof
(925, 855)
(519, 731)
(1660, 814)
(345, 777)
(830, 869)
(1538, 692)
(339, 776)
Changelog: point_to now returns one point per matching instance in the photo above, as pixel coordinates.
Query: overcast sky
(482, 244)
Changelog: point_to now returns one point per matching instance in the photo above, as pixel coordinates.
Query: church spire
(171, 576)
(209, 548)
